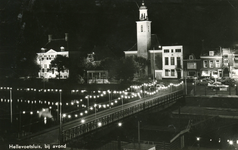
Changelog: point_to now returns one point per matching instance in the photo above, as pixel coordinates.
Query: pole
(154, 68)
(95, 113)
(11, 103)
(236, 90)
(229, 88)
(139, 134)
(60, 115)
(20, 125)
(122, 107)
(88, 102)
(109, 98)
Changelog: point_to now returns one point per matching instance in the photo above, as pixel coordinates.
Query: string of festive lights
(121, 94)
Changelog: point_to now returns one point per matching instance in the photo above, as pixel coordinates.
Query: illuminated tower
(143, 32)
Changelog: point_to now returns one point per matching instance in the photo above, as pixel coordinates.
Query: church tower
(143, 32)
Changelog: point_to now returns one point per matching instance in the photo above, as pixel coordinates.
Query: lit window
(172, 72)
(217, 64)
(191, 65)
(178, 50)
(211, 64)
(166, 72)
(166, 51)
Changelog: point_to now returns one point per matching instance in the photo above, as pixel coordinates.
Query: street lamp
(122, 105)
(10, 89)
(60, 115)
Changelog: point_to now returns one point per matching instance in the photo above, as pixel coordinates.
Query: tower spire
(143, 3)
(143, 12)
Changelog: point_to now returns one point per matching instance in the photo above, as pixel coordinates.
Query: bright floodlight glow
(82, 121)
(119, 124)
(99, 124)
(198, 138)
(231, 142)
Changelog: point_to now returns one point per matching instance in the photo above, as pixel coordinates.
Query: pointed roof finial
(143, 3)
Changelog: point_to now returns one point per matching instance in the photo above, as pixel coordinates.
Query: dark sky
(110, 24)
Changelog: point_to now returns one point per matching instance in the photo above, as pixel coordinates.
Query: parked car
(160, 85)
(217, 85)
(204, 81)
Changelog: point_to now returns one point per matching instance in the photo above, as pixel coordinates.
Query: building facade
(219, 64)
(48, 53)
(192, 67)
(44, 60)
(211, 65)
(148, 47)
(172, 61)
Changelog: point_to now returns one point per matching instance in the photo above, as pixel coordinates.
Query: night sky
(108, 26)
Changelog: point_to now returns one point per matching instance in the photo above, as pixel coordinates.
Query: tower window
(141, 28)
(148, 28)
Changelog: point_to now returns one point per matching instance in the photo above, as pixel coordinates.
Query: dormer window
(211, 53)
(190, 57)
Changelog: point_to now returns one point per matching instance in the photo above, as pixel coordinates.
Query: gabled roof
(56, 45)
(51, 51)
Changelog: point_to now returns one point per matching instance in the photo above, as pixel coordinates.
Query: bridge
(81, 126)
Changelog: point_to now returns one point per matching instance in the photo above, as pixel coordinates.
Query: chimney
(43, 49)
(49, 38)
(66, 37)
(62, 48)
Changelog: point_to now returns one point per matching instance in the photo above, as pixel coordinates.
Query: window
(172, 72)
(166, 61)
(45, 65)
(166, 51)
(178, 62)
(211, 65)
(178, 50)
(172, 50)
(141, 28)
(191, 65)
(172, 60)
(148, 28)
(166, 72)
(205, 64)
(217, 64)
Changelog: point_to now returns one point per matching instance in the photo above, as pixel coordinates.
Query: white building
(172, 61)
(53, 48)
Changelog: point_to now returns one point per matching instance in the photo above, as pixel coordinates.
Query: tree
(60, 63)
(141, 64)
(109, 64)
(27, 66)
(126, 68)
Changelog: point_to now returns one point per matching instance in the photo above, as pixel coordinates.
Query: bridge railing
(108, 116)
